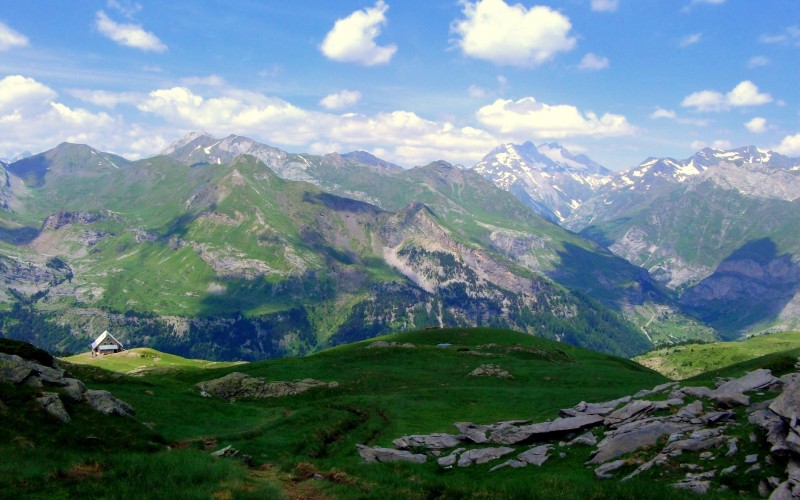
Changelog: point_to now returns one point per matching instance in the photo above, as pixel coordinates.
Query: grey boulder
(387, 455)
(52, 404)
(106, 403)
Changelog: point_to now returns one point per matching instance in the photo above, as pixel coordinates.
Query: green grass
(383, 393)
(143, 360)
(688, 360)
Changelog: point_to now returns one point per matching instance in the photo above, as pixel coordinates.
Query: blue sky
(411, 81)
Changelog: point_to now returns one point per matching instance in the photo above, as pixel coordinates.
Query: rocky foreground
(53, 383)
(651, 429)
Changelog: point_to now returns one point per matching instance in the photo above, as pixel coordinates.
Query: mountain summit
(549, 179)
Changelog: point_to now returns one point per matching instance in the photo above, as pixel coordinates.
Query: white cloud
(341, 99)
(711, 2)
(668, 114)
(511, 34)
(663, 113)
(407, 138)
(352, 38)
(605, 5)
(10, 39)
(208, 81)
(746, 93)
(757, 125)
(129, 35)
(478, 92)
(105, 98)
(757, 62)
(790, 36)
(789, 146)
(720, 144)
(31, 119)
(704, 100)
(690, 40)
(593, 62)
(527, 118)
(127, 9)
(18, 92)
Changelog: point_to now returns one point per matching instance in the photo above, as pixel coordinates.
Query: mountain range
(718, 228)
(232, 249)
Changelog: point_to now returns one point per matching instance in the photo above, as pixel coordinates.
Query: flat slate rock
(621, 441)
(436, 441)
(482, 455)
(473, 432)
(511, 434)
(584, 408)
(535, 456)
(388, 455)
(634, 410)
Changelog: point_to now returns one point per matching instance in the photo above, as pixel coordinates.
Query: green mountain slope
(230, 261)
(689, 360)
(732, 256)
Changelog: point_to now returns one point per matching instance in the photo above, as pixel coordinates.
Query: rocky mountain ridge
(193, 249)
(548, 178)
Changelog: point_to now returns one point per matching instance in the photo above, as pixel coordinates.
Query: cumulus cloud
(405, 137)
(757, 125)
(340, 99)
(593, 62)
(668, 114)
(512, 35)
(690, 40)
(746, 93)
(663, 113)
(31, 118)
(10, 39)
(605, 5)
(757, 62)
(528, 118)
(704, 100)
(129, 35)
(352, 38)
(789, 146)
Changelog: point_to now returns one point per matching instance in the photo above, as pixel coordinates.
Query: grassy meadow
(303, 446)
(689, 360)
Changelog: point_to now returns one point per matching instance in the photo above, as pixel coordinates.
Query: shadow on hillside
(750, 287)
(338, 203)
(18, 235)
(607, 278)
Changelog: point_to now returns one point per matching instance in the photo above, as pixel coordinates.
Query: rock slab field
(637, 435)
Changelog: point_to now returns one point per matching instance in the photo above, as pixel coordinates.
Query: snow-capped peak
(185, 140)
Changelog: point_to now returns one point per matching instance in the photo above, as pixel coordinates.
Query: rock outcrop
(53, 383)
(239, 385)
(490, 371)
(640, 435)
